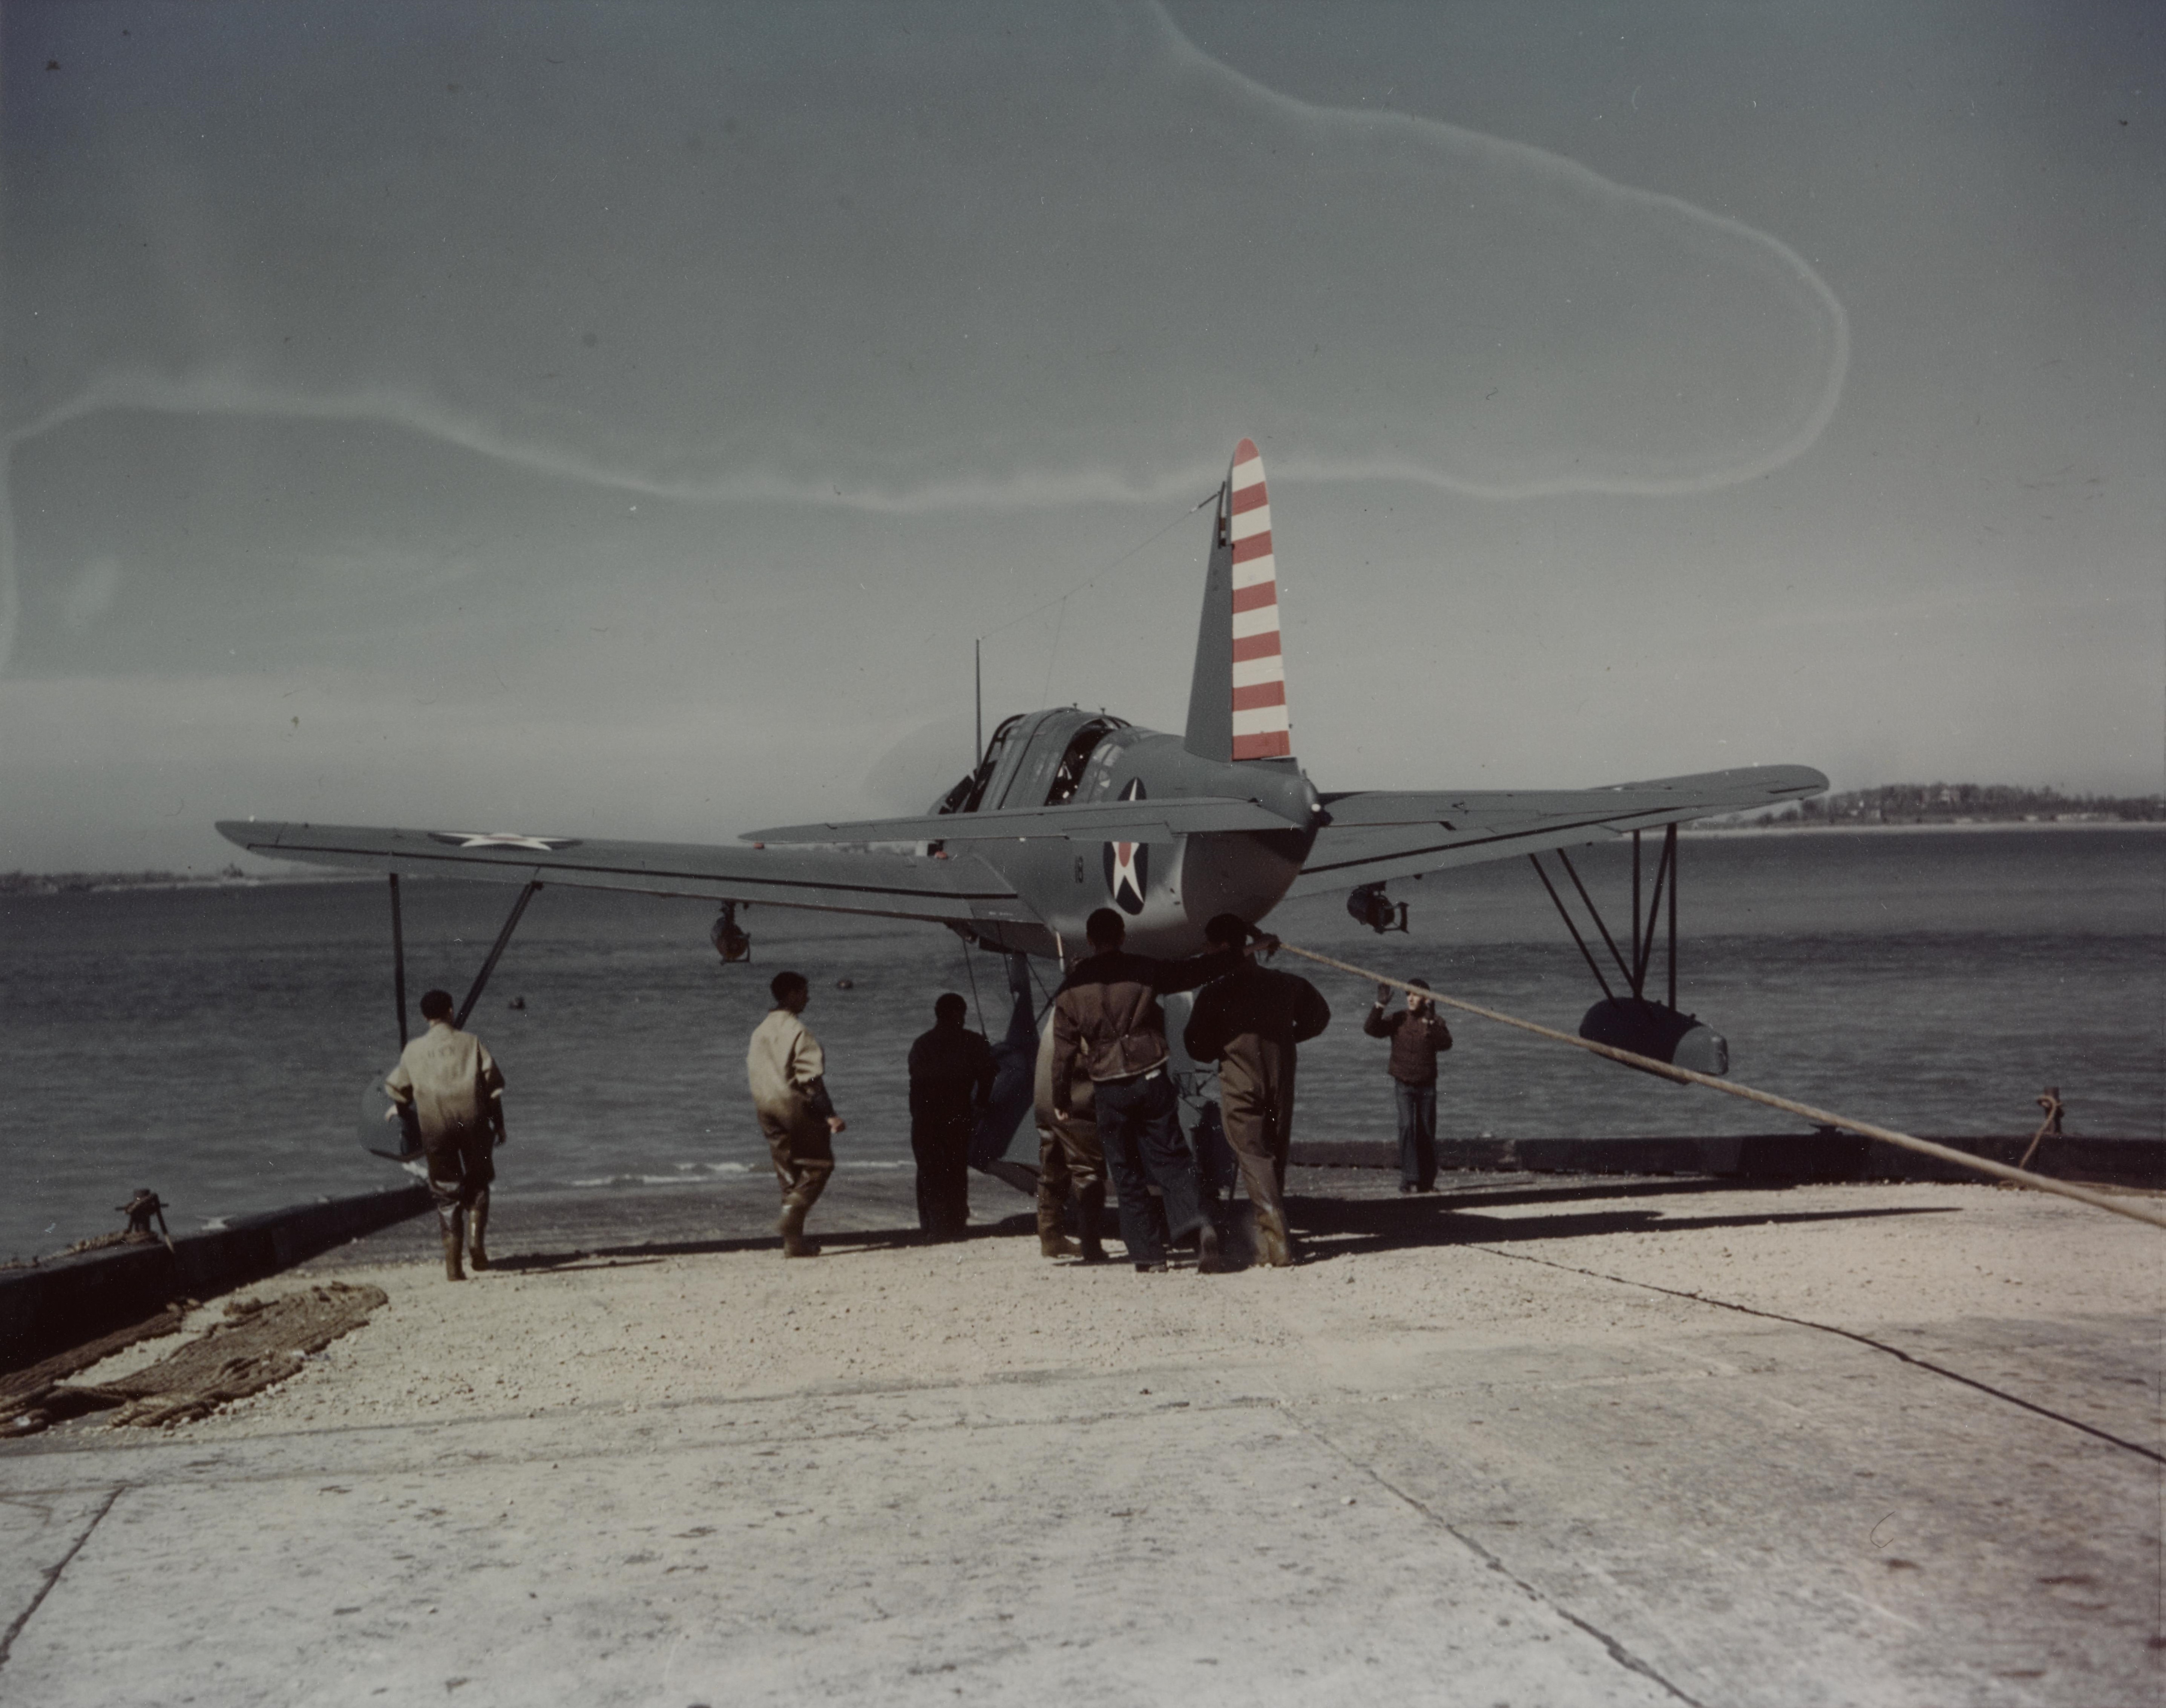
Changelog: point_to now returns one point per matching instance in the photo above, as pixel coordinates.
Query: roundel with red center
(1128, 863)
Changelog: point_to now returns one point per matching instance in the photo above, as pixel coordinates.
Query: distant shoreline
(14, 884)
(1797, 828)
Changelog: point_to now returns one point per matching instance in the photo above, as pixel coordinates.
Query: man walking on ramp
(784, 1065)
(451, 1085)
(1249, 1023)
(1107, 1020)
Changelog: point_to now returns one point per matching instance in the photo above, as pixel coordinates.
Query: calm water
(213, 1044)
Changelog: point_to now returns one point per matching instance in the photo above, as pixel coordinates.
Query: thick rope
(2135, 1211)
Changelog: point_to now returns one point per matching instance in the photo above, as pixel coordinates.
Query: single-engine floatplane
(1069, 811)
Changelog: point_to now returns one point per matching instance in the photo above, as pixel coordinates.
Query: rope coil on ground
(1825, 1118)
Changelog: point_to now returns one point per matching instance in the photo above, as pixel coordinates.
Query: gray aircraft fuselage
(1166, 891)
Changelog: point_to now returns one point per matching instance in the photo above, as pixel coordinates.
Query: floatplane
(1068, 811)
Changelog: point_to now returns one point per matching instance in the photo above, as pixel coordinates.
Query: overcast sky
(620, 418)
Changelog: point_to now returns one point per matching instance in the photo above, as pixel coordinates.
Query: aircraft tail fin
(1237, 698)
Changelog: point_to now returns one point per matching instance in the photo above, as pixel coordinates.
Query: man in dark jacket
(951, 1077)
(1418, 1036)
(1249, 1023)
(1107, 1025)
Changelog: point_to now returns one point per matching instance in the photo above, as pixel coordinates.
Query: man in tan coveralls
(784, 1065)
(452, 1087)
(1249, 1023)
(1069, 1161)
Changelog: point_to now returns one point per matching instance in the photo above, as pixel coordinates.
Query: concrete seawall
(63, 1302)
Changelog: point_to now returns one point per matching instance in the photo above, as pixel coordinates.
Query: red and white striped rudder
(1261, 727)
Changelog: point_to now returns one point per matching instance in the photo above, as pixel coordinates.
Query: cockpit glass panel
(1075, 761)
(968, 795)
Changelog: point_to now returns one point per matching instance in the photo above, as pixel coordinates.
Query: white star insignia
(503, 838)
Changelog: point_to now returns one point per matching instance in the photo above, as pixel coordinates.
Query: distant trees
(57, 883)
(1971, 803)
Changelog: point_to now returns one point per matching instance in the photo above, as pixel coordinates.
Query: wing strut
(398, 961)
(496, 954)
(1592, 965)
(1633, 1022)
(1669, 850)
(1644, 920)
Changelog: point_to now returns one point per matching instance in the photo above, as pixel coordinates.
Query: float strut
(398, 961)
(1594, 912)
(1669, 848)
(496, 953)
(1593, 965)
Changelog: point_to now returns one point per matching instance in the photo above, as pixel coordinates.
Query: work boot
(1051, 1241)
(1090, 1206)
(476, 1224)
(454, 1232)
(1274, 1250)
(1206, 1249)
(791, 1227)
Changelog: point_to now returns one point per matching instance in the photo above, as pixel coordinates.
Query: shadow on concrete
(1449, 1198)
(839, 1243)
(1350, 1227)
(1329, 1226)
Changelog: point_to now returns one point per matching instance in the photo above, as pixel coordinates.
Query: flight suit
(1249, 1022)
(783, 1066)
(454, 1090)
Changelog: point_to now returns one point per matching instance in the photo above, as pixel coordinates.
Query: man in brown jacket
(1108, 1024)
(1249, 1023)
(1418, 1036)
(1070, 1162)
(784, 1066)
(451, 1085)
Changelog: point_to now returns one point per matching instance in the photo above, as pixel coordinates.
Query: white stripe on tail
(1262, 728)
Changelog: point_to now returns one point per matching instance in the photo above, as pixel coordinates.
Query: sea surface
(215, 1044)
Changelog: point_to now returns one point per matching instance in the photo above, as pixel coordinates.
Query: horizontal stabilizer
(1090, 821)
(1385, 834)
(960, 890)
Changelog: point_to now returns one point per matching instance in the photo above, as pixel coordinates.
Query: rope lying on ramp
(1825, 1118)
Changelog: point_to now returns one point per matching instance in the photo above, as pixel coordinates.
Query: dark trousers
(941, 1146)
(461, 1164)
(1139, 1130)
(1416, 1134)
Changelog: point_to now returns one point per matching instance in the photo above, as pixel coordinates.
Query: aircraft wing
(1388, 834)
(1088, 820)
(959, 889)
